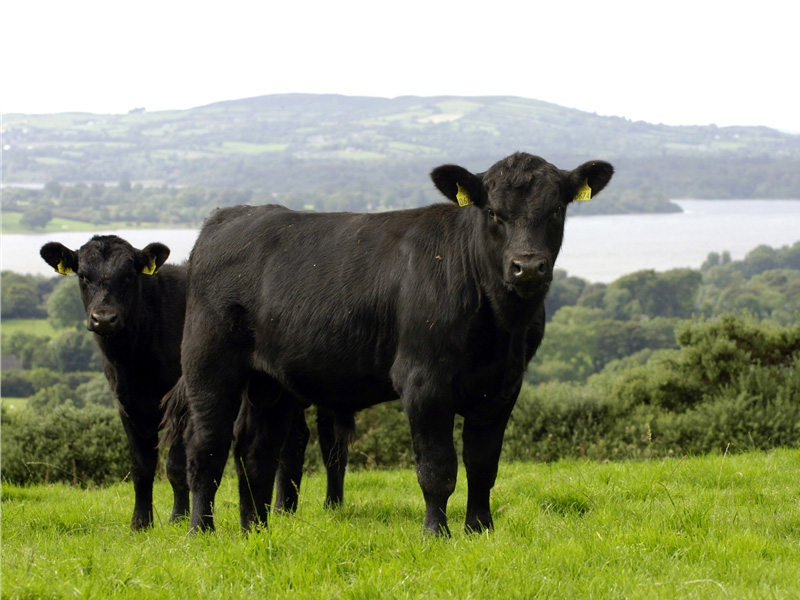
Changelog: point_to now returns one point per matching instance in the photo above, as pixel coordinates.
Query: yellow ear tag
(584, 192)
(151, 268)
(63, 269)
(463, 196)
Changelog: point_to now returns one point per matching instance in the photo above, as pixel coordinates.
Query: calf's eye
(490, 212)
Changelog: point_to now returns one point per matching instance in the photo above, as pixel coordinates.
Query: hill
(311, 144)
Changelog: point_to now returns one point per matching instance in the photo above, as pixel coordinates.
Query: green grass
(40, 327)
(713, 527)
(14, 404)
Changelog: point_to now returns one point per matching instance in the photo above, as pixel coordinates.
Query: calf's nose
(103, 322)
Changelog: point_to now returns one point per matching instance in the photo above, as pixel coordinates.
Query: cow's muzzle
(529, 275)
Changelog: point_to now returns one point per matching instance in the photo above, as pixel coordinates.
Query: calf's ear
(589, 179)
(151, 257)
(459, 185)
(61, 258)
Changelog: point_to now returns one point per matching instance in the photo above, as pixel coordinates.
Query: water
(600, 248)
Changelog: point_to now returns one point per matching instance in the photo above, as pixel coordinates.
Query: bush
(81, 446)
(23, 384)
(15, 384)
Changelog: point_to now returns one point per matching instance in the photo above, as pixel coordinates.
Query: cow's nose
(103, 322)
(530, 268)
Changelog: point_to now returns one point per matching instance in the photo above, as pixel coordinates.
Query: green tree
(96, 391)
(52, 189)
(31, 350)
(36, 216)
(64, 306)
(22, 295)
(19, 299)
(75, 351)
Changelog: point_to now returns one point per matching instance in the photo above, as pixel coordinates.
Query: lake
(598, 248)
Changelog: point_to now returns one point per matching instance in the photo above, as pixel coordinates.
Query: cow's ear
(459, 185)
(61, 258)
(151, 257)
(589, 179)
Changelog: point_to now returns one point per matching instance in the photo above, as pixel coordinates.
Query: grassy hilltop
(377, 150)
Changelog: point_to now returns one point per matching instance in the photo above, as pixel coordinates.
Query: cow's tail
(175, 414)
(344, 428)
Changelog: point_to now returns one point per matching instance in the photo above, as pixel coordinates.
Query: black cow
(442, 306)
(135, 306)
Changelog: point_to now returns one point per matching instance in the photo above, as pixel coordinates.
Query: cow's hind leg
(208, 441)
(335, 432)
(261, 431)
(290, 468)
(483, 441)
(214, 378)
(176, 473)
(144, 458)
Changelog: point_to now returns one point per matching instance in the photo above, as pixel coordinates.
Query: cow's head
(108, 270)
(522, 201)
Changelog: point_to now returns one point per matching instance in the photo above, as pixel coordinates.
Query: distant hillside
(305, 145)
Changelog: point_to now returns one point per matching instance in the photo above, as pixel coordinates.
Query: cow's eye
(490, 212)
(558, 212)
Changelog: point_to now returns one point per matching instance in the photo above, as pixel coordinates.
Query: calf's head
(523, 201)
(109, 271)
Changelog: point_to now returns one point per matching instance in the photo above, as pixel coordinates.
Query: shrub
(15, 384)
(81, 446)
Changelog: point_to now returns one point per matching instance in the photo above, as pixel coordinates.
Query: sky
(679, 63)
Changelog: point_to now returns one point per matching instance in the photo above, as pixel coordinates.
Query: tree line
(135, 205)
(652, 364)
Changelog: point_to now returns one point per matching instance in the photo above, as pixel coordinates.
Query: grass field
(41, 327)
(11, 224)
(14, 404)
(712, 527)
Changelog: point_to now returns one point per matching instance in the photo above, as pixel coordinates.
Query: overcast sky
(678, 63)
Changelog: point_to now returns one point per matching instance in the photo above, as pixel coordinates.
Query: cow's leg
(290, 468)
(214, 376)
(483, 441)
(260, 434)
(144, 458)
(431, 424)
(333, 441)
(208, 440)
(176, 473)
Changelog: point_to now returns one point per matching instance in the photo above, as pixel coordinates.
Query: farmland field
(723, 526)
(40, 327)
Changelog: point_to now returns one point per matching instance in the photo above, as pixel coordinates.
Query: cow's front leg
(435, 455)
(483, 441)
(144, 457)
